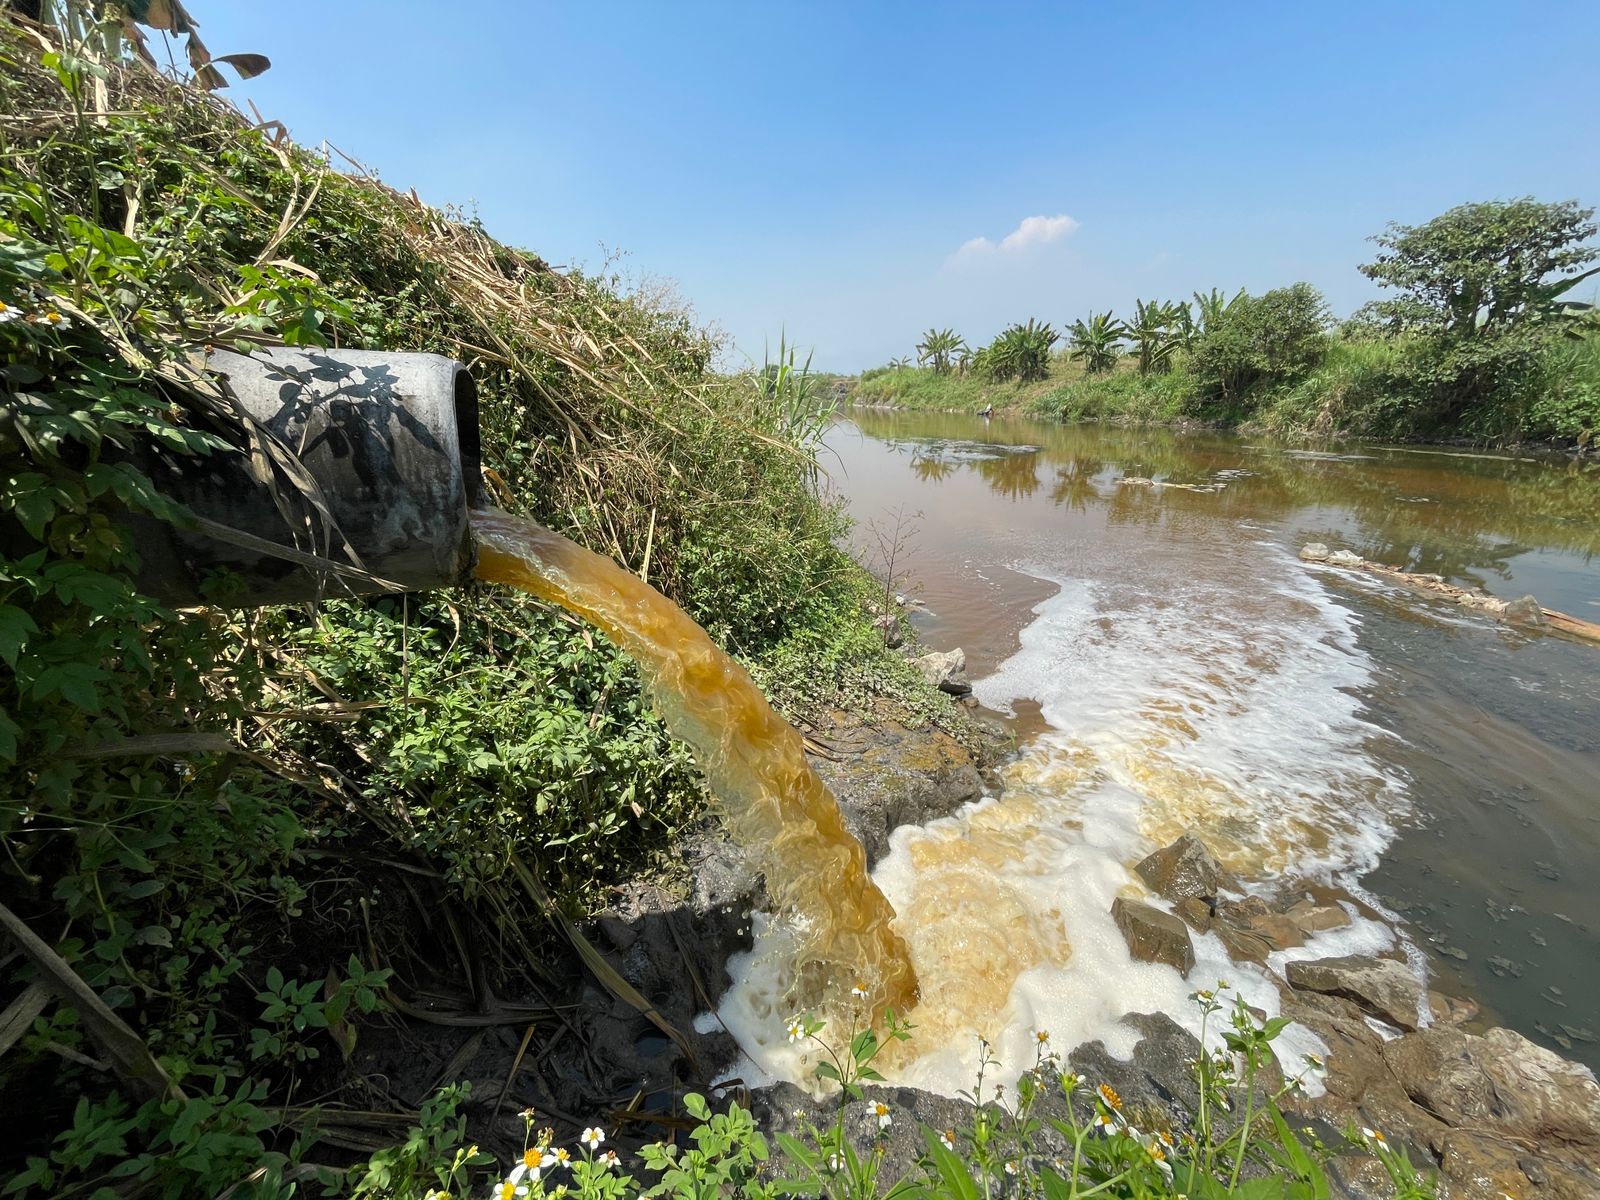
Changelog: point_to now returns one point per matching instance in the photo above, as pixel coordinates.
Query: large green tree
(1477, 270)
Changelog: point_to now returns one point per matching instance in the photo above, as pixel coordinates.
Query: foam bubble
(1224, 700)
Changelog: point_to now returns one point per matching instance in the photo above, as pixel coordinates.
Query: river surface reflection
(1170, 664)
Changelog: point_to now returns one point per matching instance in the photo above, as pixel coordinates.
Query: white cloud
(1030, 234)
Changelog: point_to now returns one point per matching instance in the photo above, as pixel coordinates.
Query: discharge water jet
(770, 800)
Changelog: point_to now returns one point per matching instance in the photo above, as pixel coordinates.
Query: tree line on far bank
(1476, 335)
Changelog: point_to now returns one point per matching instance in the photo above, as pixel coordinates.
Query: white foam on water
(1224, 701)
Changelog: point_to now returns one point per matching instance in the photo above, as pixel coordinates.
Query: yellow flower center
(1109, 1095)
(530, 1159)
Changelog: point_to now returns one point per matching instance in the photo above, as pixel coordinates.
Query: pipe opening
(468, 438)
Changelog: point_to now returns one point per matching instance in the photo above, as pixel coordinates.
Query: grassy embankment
(1355, 390)
(205, 809)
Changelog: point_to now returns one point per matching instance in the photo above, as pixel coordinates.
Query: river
(1168, 663)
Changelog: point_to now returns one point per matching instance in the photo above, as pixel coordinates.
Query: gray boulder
(1383, 987)
(946, 670)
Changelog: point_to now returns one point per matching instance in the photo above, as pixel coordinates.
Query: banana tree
(1154, 333)
(937, 348)
(1022, 352)
(1097, 342)
(1213, 307)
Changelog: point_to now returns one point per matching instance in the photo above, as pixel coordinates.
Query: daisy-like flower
(524, 1173)
(1165, 1138)
(9, 313)
(881, 1111)
(592, 1137)
(1105, 1122)
(610, 1160)
(509, 1188)
(562, 1156)
(1375, 1136)
(528, 1115)
(948, 1137)
(796, 1029)
(1109, 1095)
(858, 992)
(1042, 1036)
(1011, 1167)
(51, 319)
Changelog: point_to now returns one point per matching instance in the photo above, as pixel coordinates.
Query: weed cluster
(1056, 1136)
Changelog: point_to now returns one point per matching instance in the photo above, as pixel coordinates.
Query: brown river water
(1167, 663)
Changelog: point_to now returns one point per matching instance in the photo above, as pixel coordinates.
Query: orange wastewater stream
(770, 800)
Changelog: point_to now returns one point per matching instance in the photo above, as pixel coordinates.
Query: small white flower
(52, 319)
(1011, 1167)
(1105, 1122)
(592, 1137)
(8, 313)
(796, 1029)
(1375, 1136)
(859, 992)
(881, 1111)
(610, 1159)
(562, 1155)
(834, 1162)
(948, 1137)
(509, 1188)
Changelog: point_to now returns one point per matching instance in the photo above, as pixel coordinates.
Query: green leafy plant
(938, 349)
(1020, 352)
(1097, 342)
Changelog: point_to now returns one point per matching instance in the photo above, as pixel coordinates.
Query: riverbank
(1356, 390)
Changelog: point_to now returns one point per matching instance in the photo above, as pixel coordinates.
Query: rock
(618, 932)
(1182, 870)
(1153, 935)
(1451, 1010)
(1382, 986)
(1310, 917)
(1314, 552)
(1277, 930)
(889, 626)
(1159, 1076)
(1344, 558)
(1358, 1177)
(1479, 1168)
(1242, 945)
(1525, 611)
(1243, 910)
(1501, 1077)
(1196, 913)
(891, 776)
(945, 670)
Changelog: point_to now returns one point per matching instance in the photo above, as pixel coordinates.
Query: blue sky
(830, 168)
